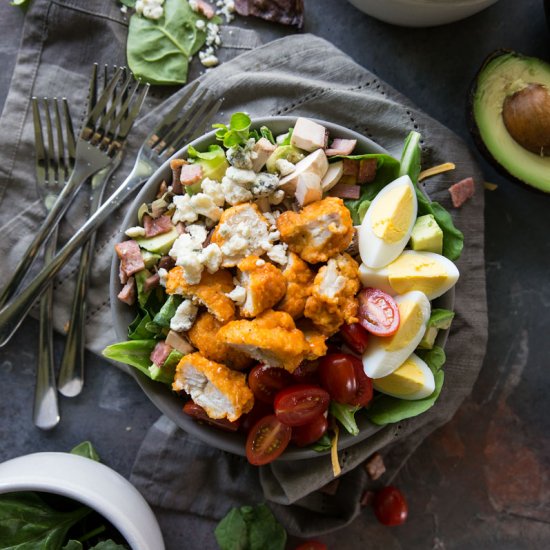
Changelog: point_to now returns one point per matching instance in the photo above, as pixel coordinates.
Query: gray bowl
(161, 396)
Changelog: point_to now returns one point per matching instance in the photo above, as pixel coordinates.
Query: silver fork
(102, 136)
(71, 374)
(54, 164)
(170, 135)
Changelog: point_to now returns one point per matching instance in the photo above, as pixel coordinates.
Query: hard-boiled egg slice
(385, 354)
(412, 380)
(427, 272)
(388, 223)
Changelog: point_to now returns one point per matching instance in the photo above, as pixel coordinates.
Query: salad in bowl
(284, 288)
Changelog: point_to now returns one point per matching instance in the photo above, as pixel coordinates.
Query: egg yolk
(408, 379)
(392, 214)
(416, 272)
(411, 322)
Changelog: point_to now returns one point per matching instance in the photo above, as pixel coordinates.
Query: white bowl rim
(76, 477)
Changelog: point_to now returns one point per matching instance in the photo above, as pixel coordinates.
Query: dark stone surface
(482, 480)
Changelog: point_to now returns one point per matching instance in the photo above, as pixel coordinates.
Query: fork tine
(109, 116)
(128, 116)
(52, 172)
(92, 89)
(62, 161)
(69, 132)
(39, 141)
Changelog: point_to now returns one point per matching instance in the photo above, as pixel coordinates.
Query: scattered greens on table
(250, 528)
(31, 521)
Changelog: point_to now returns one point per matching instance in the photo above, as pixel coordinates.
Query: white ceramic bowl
(90, 483)
(421, 13)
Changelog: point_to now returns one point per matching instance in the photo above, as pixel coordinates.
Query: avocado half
(510, 116)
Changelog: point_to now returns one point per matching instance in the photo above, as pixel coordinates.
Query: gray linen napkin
(296, 75)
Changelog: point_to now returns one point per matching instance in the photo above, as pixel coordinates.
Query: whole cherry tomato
(390, 506)
(300, 404)
(312, 545)
(355, 336)
(309, 433)
(266, 381)
(266, 440)
(337, 375)
(378, 312)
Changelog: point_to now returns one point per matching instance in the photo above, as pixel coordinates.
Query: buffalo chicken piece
(220, 391)
(271, 338)
(265, 285)
(332, 301)
(319, 231)
(210, 291)
(204, 336)
(299, 278)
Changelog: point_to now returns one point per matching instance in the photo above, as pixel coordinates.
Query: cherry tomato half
(390, 506)
(267, 439)
(312, 545)
(355, 336)
(378, 312)
(337, 375)
(198, 413)
(266, 381)
(309, 433)
(300, 404)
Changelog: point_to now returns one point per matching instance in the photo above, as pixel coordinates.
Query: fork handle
(45, 410)
(65, 197)
(12, 315)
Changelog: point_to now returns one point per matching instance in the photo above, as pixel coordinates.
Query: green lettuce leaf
(161, 321)
(167, 371)
(213, 162)
(345, 414)
(137, 330)
(388, 410)
(238, 131)
(135, 353)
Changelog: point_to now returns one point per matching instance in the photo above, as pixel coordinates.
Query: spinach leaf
(322, 444)
(128, 3)
(73, 545)
(108, 545)
(158, 51)
(87, 450)
(135, 353)
(387, 169)
(387, 410)
(345, 414)
(250, 528)
(453, 239)
(28, 523)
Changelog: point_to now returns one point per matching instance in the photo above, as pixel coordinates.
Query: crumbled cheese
(260, 263)
(226, 8)
(213, 35)
(184, 317)
(242, 156)
(134, 232)
(278, 254)
(189, 208)
(284, 167)
(198, 232)
(264, 184)
(200, 24)
(240, 176)
(150, 9)
(271, 220)
(249, 236)
(124, 9)
(214, 190)
(238, 295)
(211, 257)
(277, 197)
(194, 5)
(208, 59)
(234, 194)
(162, 273)
(184, 211)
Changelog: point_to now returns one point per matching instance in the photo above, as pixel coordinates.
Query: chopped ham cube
(160, 353)
(128, 292)
(175, 165)
(351, 167)
(121, 275)
(131, 260)
(462, 191)
(308, 135)
(345, 191)
(190, 174)
(151, 282)
(341, 147)
(367, 170)
(156, 226)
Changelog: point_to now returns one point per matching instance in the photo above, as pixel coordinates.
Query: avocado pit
(526, 115)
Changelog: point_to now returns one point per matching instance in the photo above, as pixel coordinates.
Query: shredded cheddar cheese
(490, 186)
(336, 470)
(435, 170)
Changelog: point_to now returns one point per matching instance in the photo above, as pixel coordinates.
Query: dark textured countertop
(482, 480)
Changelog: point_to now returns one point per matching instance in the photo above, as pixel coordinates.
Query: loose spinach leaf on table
(453, 239)
(28, 523)
(158, 51)
(128, 3)
(387, 410)
(21, 3)
(250, 528)
(87, 450)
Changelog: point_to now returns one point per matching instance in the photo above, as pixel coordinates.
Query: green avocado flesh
(500, 77)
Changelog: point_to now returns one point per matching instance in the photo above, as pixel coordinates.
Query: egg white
(378, 361)
(428, 381)
(376, 252)
(379, 278)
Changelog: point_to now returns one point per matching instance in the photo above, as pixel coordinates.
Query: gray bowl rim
(169, 403)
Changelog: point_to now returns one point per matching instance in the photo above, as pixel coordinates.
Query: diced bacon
(163, 187)
(151, 282)
(121, 275)
(131, 260)
(175, 165)
(345, 191)
(462, 191)
(206, 9)
(375, 466)
(367, 170)
(351, 167)
(341, 147)
(128, 292)
(160, 353)
(156, 226)
(190, 174)
(167, 262)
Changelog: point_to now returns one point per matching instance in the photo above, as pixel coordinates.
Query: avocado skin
(473, 127)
